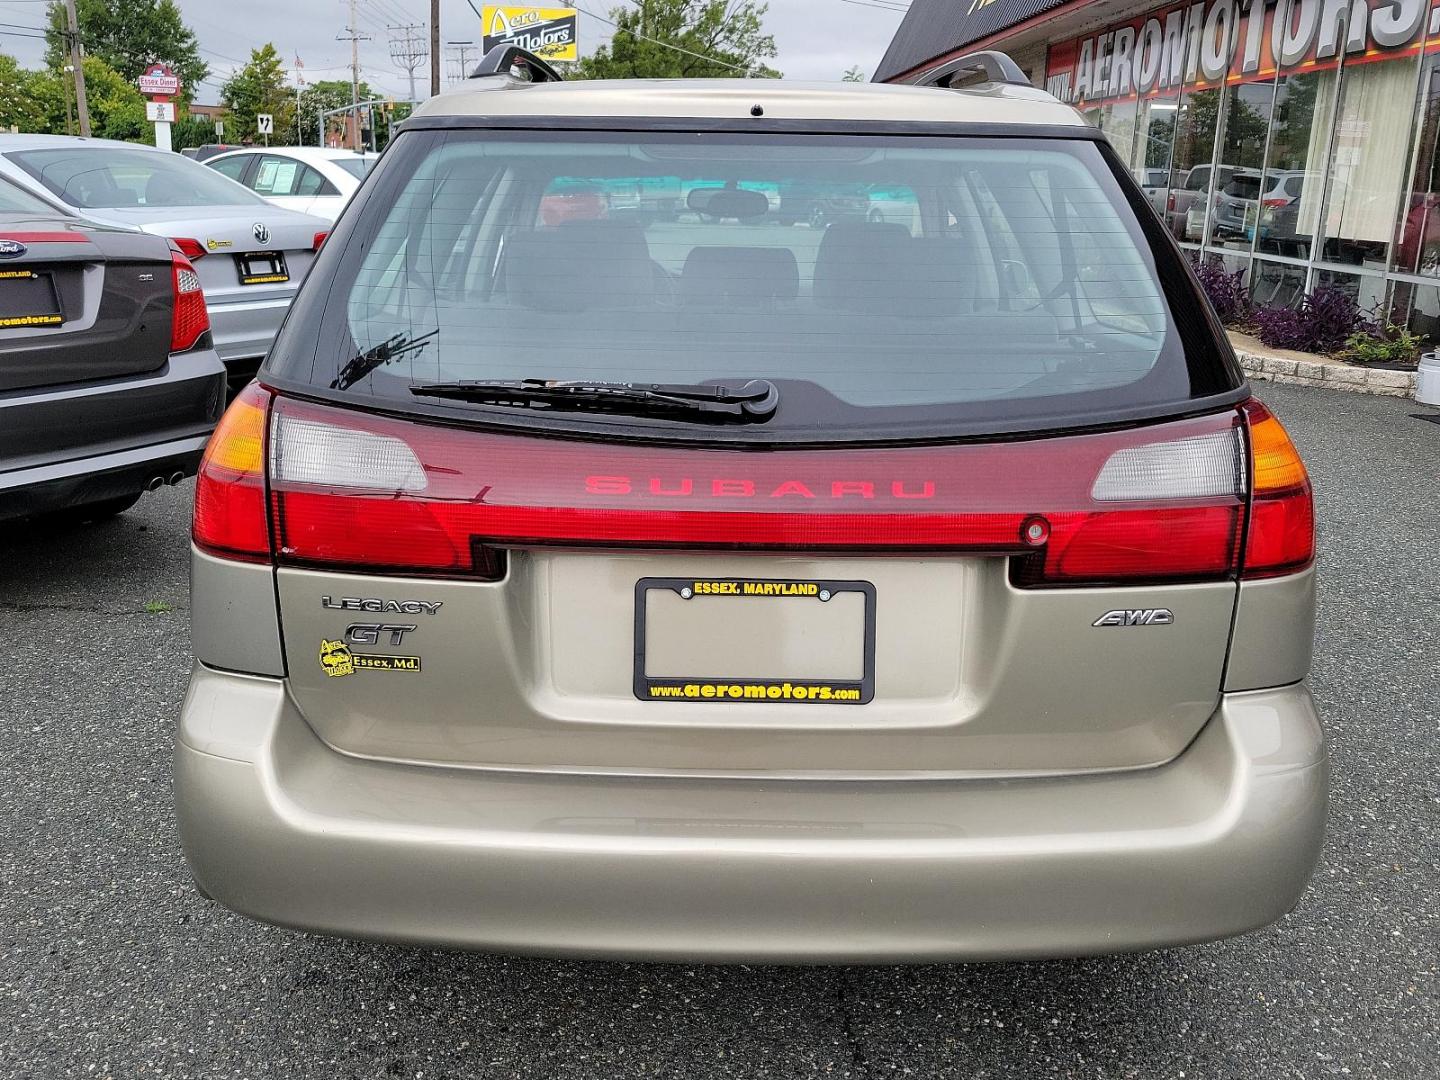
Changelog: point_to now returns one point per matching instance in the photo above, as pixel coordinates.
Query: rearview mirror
(736, 203)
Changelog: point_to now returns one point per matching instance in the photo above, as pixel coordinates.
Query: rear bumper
(70, 445)
(243, 329)
(279, 827)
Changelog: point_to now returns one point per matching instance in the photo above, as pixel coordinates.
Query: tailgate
(82, 306)
(1031, 606)
(970, 675)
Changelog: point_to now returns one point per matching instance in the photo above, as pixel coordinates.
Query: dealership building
(1298, 140)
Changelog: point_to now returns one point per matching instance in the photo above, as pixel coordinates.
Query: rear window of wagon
(891, 286)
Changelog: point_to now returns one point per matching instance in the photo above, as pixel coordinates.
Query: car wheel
(88, 513)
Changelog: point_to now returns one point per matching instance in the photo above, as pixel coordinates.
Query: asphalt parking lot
(114, 967)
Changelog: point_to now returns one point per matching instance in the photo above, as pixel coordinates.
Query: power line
(665, 44)
(881, 4)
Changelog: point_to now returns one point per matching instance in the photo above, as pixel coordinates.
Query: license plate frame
(262, 267)
(796, 690)
(28, 312)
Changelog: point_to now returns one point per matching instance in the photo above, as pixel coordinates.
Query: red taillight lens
(1170, 202)
(191, 248)
(354, 491)
(190, 318)
(229, 516)
(1281, 535)
(318, 241)
(1275, 203)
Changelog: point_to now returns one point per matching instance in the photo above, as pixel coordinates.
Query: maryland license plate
(262, 268)
(27, 299)
(755, 640)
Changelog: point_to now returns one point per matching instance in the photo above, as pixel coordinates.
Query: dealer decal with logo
(337, 661)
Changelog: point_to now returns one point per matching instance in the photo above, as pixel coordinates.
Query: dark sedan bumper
(71, 445)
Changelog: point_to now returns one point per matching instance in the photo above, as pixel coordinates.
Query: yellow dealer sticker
(337, 660)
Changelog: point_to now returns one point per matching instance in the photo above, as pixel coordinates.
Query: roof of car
(10, 141)
(303, 153)
(988, 103)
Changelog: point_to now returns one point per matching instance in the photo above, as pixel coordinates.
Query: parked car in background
(821, 204)
(311, 179)
(1189, 194)
(109, 384)
(209, 150)
(1156, 185)
(251, 256)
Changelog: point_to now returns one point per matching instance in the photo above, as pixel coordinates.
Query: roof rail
(995, 66)
(514, 62)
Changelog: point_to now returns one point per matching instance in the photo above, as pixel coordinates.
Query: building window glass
(1191, 163)
(1289, 208)
(1368, 164)
(1117, 121)
(1418, 237)
(1242, 156)
(1417, 308)
(1276, 284)
(1368, 290)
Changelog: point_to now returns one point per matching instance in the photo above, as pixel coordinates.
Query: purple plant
(1226, 290)
(1322, 322)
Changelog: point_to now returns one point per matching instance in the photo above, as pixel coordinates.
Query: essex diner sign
(1205, 43)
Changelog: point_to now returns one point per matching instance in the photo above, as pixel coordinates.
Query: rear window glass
(107, 177)
(356, 166)
(1243, 187)
(873, 279)
(13, 200)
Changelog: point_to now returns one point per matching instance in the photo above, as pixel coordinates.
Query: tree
(129, 35)
(19, 107)
(853, 74)
(117, 111)
(719, 39)
(259, 87)
(322, 97)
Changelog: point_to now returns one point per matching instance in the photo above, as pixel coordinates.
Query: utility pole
(408, 51)
(73, 35)
(353, 36)
(434, 47)
(464, 48)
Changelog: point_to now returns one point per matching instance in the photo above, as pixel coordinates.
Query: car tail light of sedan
(189, 318)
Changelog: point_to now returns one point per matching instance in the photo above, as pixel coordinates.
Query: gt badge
(1136, 617)
(335, 658)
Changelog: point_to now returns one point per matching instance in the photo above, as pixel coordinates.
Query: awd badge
(335, 658)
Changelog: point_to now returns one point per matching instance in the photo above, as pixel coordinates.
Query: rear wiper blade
(362, 364)
(754, 400)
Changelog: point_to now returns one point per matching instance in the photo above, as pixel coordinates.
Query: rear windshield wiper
(362, 364)
(753, 401)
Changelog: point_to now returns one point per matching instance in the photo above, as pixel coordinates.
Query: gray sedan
(251, 256)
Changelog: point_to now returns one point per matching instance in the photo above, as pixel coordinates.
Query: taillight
(1281, 535)
(1170, 202)
(351, 490)
(191, 248)
(1274, 203)
(318, 241)
(189, 319)
(230, 516)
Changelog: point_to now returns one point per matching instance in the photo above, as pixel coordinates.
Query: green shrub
(1389, 345)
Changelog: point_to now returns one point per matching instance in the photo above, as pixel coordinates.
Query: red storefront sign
(159, 81)
(1202, 44)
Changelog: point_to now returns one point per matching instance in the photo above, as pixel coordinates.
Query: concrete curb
(1323, 372)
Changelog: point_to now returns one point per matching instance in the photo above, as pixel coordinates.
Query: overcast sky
(817, 39)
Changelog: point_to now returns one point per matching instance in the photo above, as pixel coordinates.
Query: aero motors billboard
(1204, 43)
(549, 33)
